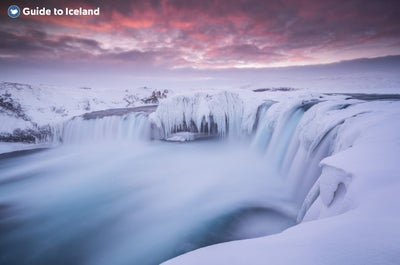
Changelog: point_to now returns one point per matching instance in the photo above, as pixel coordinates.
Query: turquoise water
(132, 203)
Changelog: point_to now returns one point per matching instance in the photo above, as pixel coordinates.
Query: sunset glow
(207, 34)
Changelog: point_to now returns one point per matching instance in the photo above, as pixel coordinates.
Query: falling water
(125, 199)
(130, 127)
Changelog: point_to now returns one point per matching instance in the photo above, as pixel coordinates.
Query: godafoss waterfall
(144, 185)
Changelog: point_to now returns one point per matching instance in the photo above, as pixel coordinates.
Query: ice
(218, 114)
(183, 137)
(350, 212)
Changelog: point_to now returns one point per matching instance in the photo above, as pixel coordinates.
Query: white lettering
(82, 12)
(58, 12)
(36, 11)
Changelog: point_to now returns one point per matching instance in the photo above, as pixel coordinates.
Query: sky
(175, 38)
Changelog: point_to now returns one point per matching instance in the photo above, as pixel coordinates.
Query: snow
(10, 123)
(351, 211)
(45, 108)
(46, 104)
(182, 137)
(219, 113)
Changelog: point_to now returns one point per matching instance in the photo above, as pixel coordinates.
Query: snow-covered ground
(37, 110)
(51, 104)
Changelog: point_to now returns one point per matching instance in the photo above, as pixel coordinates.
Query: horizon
(382, 75)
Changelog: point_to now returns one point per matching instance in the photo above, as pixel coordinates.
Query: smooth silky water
(110, 195)
(134, 202)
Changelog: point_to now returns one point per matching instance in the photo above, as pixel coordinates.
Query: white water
(126, 200)
(351, 208)
(295, 137)
(130, 127)
(133, 203)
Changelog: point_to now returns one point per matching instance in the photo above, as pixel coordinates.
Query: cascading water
(131, 127)
(115, 125)
(295, 140)
(122, 200)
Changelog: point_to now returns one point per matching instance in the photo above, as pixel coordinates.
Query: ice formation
(219, 114)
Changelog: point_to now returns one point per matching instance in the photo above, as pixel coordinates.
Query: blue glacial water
(134, 203)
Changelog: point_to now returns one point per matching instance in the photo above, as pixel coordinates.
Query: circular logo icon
(14, 11)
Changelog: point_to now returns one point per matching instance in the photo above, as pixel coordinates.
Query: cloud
(36, 44)
(209, 34)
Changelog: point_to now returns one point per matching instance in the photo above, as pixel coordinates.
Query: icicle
(222, 114)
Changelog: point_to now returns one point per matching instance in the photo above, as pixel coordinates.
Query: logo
(14, 11)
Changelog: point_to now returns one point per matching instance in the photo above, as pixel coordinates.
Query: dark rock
(35, 135)
(155, 96)
(274, 89)
(369, 97)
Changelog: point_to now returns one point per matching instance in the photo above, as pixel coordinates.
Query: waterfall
(146, 203)
(295, 136)
(128, 127)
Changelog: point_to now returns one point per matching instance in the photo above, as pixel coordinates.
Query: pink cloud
(209, 33)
